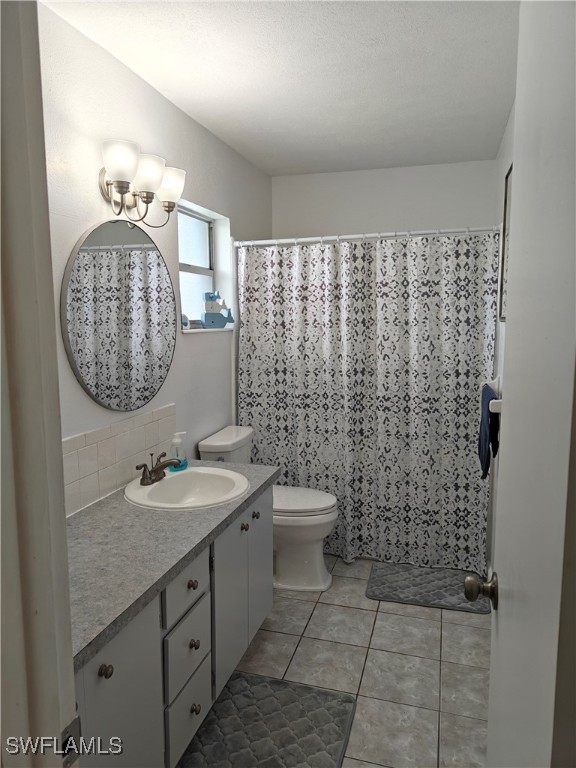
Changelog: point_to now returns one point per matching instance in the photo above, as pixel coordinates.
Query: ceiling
(304, 87)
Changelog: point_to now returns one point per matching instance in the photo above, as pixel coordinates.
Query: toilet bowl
(303, 517)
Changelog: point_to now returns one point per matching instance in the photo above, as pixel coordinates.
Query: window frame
(191, 268)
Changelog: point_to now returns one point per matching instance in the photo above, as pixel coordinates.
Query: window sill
(208, 330)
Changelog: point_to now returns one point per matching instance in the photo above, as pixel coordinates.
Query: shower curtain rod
(131, 246)
(371, 236)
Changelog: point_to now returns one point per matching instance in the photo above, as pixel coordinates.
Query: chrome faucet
(156, 471)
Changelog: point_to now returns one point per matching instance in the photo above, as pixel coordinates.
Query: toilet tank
(230, 444)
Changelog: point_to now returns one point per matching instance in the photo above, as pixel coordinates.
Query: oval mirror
(118, 315)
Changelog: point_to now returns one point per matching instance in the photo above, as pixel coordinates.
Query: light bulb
(120, 160)
(150, 173)
(172, 185)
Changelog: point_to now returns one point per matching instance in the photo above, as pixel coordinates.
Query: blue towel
(488, 436)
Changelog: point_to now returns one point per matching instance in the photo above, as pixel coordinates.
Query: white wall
(503, 163)
(90, 96)
(391, 199)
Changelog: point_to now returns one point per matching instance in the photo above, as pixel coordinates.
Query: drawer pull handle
(255, 515)
(193, 584)
(195, 709)
(106, 671)
(244, 527)
(194, 645)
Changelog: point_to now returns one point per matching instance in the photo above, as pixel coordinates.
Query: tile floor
(420, 675)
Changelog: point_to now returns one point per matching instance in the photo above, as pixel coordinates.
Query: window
(195, 253)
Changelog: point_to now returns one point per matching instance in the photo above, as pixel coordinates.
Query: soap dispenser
(177, 452)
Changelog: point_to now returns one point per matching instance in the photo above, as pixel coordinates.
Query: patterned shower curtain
(360, 368)
(120, 317)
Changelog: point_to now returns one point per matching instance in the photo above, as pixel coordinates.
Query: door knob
(244, 527)
(194, 645)
(255, 515)
(195, 709)
(106, 671)
(474, 587)
(193, 584)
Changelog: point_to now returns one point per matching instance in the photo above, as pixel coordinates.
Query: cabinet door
(128, 704)
(260, 565)
(230, 638)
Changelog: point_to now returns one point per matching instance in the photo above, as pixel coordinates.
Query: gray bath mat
(259, 722)
(435, 587)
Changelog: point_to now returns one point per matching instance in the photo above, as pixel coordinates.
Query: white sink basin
(191, 488)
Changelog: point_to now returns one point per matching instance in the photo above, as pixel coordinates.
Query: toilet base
(296, 588)
(299, 552)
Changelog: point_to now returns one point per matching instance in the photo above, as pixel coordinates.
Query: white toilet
(303, 517)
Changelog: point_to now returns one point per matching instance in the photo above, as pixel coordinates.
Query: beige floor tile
(340, 624)
(416, 611)
(290, 616)
(269, 654)
(404, 679)
(464, 690)
(478, 620)
(404, 634)
(394, 734)
(327, 665)
(359, 569)
(466, 645)
(330, 561)
(462, 742)
(296, 594)
(348, 592)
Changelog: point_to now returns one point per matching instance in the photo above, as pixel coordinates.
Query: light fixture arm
(107, 189)
(168, 207)
(142, 216)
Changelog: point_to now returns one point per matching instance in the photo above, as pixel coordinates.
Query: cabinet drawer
(185, 646)
(186, 588)
(181, 722)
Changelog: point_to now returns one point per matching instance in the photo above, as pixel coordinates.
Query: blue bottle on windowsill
(177, 452)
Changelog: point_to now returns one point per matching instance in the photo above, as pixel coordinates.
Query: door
(122, 688)
(537, 392)
(230, 602)
(260, 563)
(37, 666)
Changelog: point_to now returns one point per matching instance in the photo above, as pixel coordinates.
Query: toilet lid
(301, 501)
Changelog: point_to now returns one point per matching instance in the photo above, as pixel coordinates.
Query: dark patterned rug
(259, 722)
(435, 587)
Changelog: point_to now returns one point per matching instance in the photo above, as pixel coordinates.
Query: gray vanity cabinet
(154, 682)
(119, 693)
(243, 585)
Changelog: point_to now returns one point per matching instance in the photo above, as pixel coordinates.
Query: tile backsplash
(102, 461)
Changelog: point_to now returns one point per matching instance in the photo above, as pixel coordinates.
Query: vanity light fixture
(136, 178)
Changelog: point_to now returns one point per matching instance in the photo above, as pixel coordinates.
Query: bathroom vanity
(164, 604)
